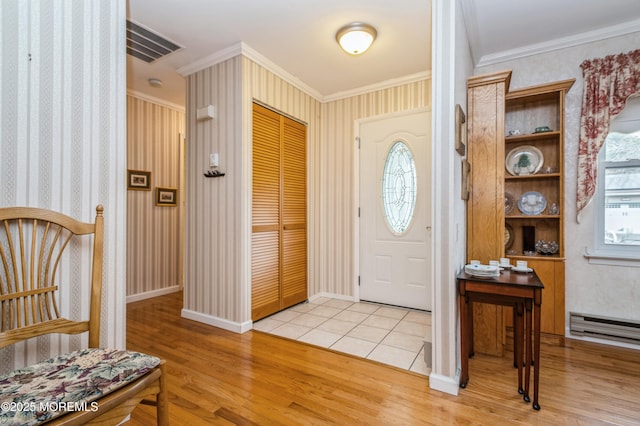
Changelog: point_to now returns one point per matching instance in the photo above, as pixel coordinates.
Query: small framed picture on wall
(138, 180)
(166, 197)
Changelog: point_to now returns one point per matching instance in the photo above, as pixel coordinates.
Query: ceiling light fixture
(155, 82)
(356, 37)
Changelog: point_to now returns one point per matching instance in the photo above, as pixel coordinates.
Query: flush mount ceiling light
(155, 82)
(356, 37)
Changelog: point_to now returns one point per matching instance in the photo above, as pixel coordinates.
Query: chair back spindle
(32, 244)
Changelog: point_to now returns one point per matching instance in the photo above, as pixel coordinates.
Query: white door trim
(356, 188)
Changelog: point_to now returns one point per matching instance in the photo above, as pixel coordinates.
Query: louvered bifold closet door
(294, 213)
(279, 213)
(265, 237)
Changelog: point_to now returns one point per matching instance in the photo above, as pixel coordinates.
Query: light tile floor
(387, 334)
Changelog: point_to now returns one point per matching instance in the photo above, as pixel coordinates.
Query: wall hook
(213, 173)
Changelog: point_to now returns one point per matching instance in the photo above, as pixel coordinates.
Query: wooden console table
(524, 293)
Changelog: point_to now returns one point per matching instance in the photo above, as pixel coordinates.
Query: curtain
(608, 83)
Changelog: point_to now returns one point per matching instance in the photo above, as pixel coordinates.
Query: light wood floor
(219, 377)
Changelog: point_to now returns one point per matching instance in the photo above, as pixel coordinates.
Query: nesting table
(523, 292)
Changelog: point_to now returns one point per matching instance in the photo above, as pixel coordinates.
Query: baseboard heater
(605, 327)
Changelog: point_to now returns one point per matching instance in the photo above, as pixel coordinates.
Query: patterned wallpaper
(214, 289)
(62, 132)
(155, 137)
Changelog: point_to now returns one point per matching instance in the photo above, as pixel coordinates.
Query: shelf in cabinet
(531, 137)
(554, 257)
(537, 216)
(534, 176)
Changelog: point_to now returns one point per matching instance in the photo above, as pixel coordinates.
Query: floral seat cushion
(69, 382)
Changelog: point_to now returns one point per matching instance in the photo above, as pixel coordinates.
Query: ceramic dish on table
(524, 160)
(482, 271)
(521, 270)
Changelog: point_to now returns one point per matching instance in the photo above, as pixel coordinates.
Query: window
(618, 191)
(622, 189)
(399, 187)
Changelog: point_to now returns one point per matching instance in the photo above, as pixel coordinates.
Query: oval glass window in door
(399, 187)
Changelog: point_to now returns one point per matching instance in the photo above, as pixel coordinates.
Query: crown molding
(245, 50)
(560, 43)
(394, 82)
(263, 61)
(211, 60)
(161, 102)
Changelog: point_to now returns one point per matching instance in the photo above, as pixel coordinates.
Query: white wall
(464, 69)
(62, 138)
(594, 289)
(451, 67)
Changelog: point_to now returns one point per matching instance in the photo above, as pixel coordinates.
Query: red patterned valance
(608, 83)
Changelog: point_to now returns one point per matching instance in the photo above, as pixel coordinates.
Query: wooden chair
(94, 386)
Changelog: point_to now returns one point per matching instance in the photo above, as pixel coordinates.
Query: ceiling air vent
(147, 45)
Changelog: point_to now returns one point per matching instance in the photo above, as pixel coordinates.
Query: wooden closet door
(279, 226)
(294, 214)
(265, 237)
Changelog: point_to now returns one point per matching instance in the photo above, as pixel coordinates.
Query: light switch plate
(214, 160)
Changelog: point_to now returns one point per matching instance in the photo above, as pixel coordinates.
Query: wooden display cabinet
(525, 111)
(499, 122)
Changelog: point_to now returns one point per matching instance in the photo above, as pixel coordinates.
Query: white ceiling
(297, 37)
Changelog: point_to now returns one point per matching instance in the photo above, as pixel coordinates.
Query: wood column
(485, 208)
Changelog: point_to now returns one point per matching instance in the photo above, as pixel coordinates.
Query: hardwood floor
(219, 377)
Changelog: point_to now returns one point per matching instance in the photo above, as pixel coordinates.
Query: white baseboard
(223, 323)
(153, 293)
(450, 385)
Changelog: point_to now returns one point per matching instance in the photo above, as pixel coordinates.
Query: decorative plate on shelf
(508, 236)
(532, 203)
(524, 160)
(509, 203)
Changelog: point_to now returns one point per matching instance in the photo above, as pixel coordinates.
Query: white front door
(395, 219)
